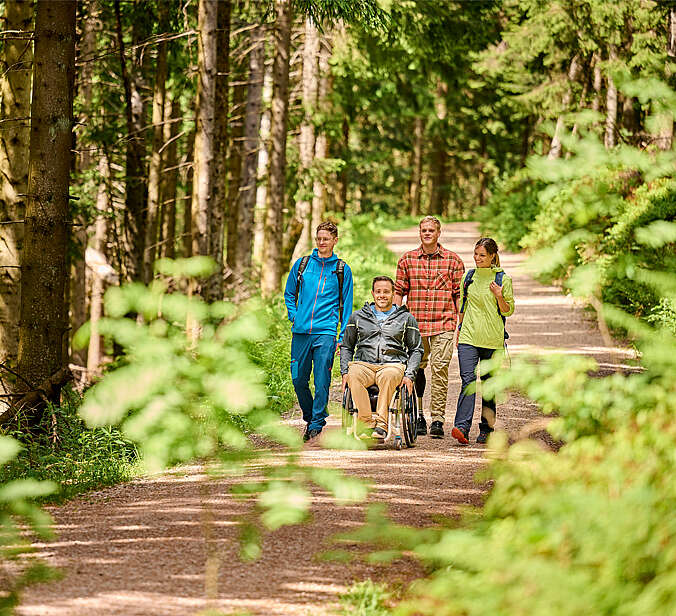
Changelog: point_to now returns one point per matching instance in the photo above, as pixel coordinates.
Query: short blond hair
(433, 219)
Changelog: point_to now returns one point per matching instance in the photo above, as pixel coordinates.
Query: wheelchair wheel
(347, 416)
(409, 417)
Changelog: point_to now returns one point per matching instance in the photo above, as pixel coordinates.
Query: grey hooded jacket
(394, 340)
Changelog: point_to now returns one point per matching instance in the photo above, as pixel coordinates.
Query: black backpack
(468, 281)
(340, 268)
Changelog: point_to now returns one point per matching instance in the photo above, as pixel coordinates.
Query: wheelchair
(402, 417)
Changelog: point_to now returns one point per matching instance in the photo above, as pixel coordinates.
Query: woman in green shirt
(487, 298)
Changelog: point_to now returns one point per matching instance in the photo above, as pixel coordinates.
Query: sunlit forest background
(165, 161)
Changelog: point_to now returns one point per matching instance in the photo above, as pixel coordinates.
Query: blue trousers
(469, 357)
(312, 353)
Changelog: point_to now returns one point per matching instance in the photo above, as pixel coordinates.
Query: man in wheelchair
(381, 346)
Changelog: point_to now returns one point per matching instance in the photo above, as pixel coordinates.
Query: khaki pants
(387, 377)
(438, 350)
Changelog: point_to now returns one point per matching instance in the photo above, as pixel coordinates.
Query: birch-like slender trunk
(300, 225)
(155, 168)
(252, 124)
(15, 101)
(573, 73)
(262, 174)
(416, 166)
(207, 18)
(611, 103)
(98, 244)
(172, 118)
(273, 241)
(43, 310)
(321, 139)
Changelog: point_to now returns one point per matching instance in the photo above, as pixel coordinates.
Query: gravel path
(140, 548)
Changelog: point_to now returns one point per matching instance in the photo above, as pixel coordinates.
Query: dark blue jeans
(469, 357)
(312, 353)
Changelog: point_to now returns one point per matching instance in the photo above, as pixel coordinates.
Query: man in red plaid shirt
(430, 276)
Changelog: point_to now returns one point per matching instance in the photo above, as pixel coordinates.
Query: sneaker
(421, 426)
(437, 429)
(379, 433)
(482, 438)
(460, 435)
(305, 434)
(310, 434)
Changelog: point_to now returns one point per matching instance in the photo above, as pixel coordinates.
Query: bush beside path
(140, 548)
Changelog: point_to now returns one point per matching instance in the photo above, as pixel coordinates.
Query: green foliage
(365, 599)
(63, 450)
(19, 514)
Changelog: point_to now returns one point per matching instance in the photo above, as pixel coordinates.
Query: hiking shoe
(437, 429)
(460, 435)
(379, 433)
(421, 426)
(310, 434)
(482, 438)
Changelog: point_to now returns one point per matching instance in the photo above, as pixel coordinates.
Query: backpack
(468, 281)
(340, 268)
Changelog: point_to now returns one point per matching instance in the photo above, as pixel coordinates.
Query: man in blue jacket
(317, 288)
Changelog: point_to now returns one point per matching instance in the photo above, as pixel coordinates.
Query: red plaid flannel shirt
(432, 284)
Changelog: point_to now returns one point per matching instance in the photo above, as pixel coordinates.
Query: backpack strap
(468, 281)
(498, 280)
(340, 272)
(299, 277)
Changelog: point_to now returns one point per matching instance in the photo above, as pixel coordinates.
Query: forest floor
(140, 548)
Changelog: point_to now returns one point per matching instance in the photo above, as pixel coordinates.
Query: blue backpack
(468, 281)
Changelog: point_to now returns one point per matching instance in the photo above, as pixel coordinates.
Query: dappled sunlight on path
(140, 548)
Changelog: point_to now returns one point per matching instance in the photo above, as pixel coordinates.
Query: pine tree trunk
(302, 219)
(341, 193)
(252, 124)
(611, 105)
(321, 139)
(155, 168)
(272, 246)
(43, 310)
(15, 96)
(187, 199)
(262, 174)
(416, 167)
(99, 244)
(172, 118)
(573, 73)
(439, 164)
(219, 206)
(665, 138)
(204, 121)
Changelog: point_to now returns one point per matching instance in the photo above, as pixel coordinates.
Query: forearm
(504, 306)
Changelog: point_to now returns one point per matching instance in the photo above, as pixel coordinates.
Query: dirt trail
(138, 548)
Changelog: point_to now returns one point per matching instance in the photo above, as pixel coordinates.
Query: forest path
(139, 548)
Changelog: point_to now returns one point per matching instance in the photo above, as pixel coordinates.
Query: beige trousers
(438, 350)
(387, 377)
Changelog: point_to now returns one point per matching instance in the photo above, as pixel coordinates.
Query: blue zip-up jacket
(317, 310)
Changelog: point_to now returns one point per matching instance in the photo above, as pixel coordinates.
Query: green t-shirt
(482, 325)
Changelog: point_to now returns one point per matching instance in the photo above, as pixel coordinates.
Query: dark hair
(491, 248)
(329, 226)
(382, 279)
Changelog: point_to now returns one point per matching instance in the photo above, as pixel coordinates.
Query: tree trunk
(204, 122)
(98, 244)
(43, 310)
(252, 125)
(15, 97)
(219, 206)
(262, 189)
(341, 193)
(611, 103)
(573, 73)
(172, 118)
(439, 167)
(187, 199)
(321, 140)
(235, 165)
(302, 218)
(416, 167)
(666, 135)
(272, 247)
(155, 168)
